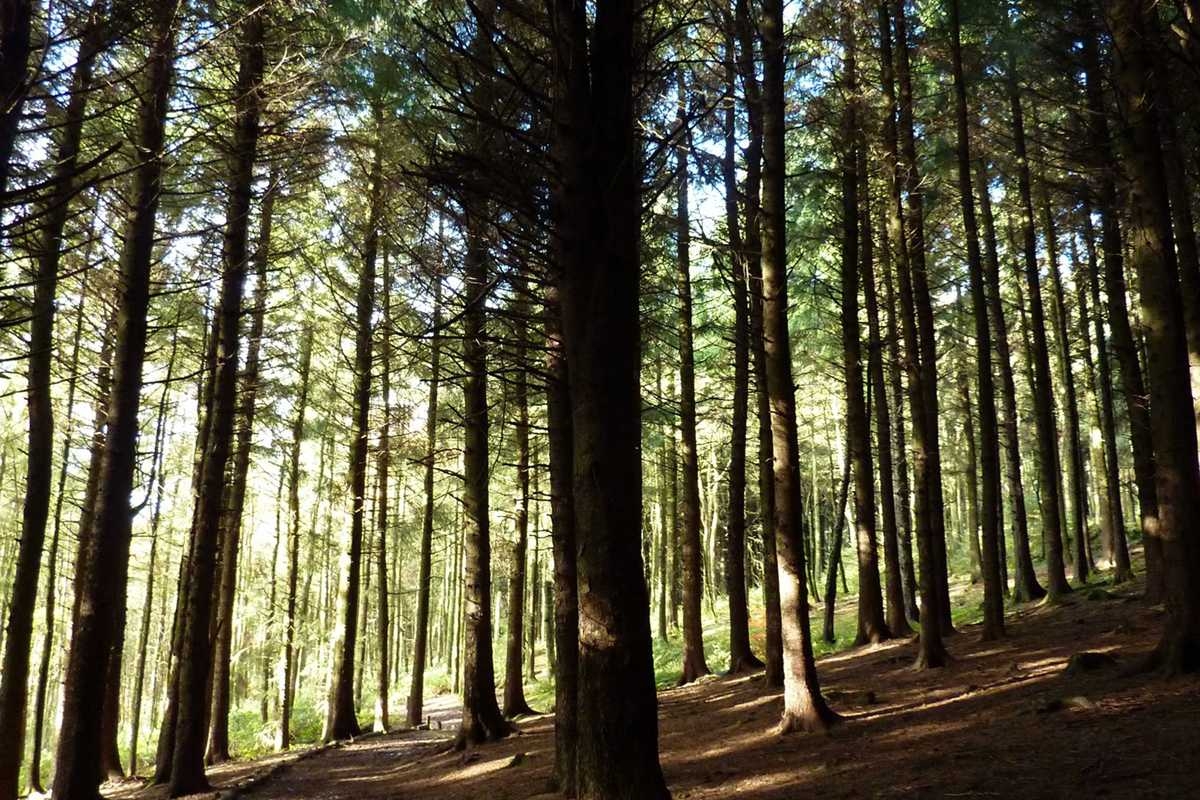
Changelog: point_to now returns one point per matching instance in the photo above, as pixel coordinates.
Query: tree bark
(416, 695)
(741, 657)
(77, 764)
(383, 464)
(342, 719)
(932, 650)
(989, 443)
(747, 67)
(1151, 250)
(1043, 395)
(14, 676)
(187, 760)
(597, 221)
(804, 707)
(694, 664)
(231, 523)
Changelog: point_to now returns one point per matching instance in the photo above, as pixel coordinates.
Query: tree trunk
(1026, 587)
(804, 707)
(1121, 336)
(989, 443)
(694, 665)
(284, 738)
(14, 676)
(932, 651)
(77, 764)
(416, 693)
(342, 719)
(563, 542)
(187, 760)
(597, 218)
(1103, 389)
(231, 523)
(872, 628)
(741, 657)
(1151, 249)
(773, 675)
(514, 687)
(1043, 393)
(835, 550)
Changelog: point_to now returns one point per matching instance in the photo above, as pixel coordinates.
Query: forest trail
(1002, 721)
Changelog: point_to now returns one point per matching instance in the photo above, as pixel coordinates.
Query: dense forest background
(291, 434)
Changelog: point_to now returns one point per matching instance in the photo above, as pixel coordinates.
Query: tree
(804, 707)
(595, 230)
(77, 764)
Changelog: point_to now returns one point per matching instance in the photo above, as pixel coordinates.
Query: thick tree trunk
(597, 231)
(989, 443)
(416, 695)
(1043, 393)
(804, 707)
(77, 764)
(1151, 250)
(16, 18)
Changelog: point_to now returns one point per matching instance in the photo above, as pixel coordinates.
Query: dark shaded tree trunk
(694, 664)
(1121, 335)
(284, 738)
(741, 657)
(834, 559)
(932, 651)
(563, 541)
(1026, 587)
(342, 719)
(514, 688)
(416, 695)
(989, 443)
(196, 655)
(1043, 393)
(872, 627)
(1151, 250)
(924, 345)
(747, 60)
(14, 675)
(16, 18)
(231, 523)
(804, 708)
(77, 763)
(597, 221)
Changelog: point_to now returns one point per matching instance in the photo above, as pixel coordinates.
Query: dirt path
(1003, 721)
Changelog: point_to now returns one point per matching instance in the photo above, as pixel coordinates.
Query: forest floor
(1006, 719)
